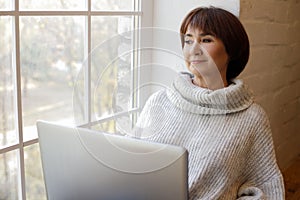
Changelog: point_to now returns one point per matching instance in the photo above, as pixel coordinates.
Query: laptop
(82, 164)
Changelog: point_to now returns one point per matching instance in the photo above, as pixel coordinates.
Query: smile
(198, 61)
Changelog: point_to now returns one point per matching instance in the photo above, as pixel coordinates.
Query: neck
(210, 83)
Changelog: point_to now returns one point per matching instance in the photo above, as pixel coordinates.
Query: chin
(194, 71)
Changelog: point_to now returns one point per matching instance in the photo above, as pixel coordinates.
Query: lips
(197, 61)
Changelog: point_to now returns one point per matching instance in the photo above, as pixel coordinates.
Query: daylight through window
(65, 61)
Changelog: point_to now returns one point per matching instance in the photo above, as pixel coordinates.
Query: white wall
(169, 13)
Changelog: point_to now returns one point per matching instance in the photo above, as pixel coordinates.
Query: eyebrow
(201, 34)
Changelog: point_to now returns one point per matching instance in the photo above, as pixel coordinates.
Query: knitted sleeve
(263, 179)
(150, 117)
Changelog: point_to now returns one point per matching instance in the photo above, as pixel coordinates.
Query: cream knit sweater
(228, 137)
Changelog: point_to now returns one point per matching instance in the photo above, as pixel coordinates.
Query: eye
(206, 40)
(188, 41)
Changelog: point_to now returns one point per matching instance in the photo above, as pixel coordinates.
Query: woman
(212, 114)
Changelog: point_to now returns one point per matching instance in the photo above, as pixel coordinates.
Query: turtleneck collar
(187, 96)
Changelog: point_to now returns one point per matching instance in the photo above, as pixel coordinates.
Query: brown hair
(225, 26)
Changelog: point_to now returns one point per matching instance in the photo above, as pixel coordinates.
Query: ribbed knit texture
(228, 137)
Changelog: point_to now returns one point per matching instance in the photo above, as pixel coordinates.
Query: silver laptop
(81, 164)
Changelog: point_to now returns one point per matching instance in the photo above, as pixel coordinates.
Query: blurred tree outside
(8, 187)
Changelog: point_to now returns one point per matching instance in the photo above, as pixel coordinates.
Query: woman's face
(205, 55)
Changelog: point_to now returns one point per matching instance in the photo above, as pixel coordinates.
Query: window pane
(121, 125)
(6, 4)
(8, 133)
(51, 56)
(53, 5)
(108, 126)
(35, 187)
(113, 5)
(9, 173)
(111, 62)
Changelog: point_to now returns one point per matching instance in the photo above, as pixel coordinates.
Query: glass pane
(111, 62)
(113, 5)
(107, 126)
(9, 173)
(51, 57)
(53, 5)
(120, 125)
(6, 4)
(35, 187)
(8, 133)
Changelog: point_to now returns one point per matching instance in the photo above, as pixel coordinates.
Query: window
(67, 61)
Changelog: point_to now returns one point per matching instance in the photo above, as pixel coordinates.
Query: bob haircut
(225, 26)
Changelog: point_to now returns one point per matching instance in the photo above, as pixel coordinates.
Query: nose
(197, 49)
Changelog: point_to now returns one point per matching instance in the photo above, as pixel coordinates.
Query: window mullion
(88, 68)
(18, 102)
(135, 69)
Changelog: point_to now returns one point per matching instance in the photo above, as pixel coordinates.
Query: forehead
(194, 31)
(191, 29)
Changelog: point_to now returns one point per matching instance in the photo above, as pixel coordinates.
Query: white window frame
(144, 12)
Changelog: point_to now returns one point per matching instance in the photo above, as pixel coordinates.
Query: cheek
(223, 59)
(186, 51)
(218, 55)
(186, 55)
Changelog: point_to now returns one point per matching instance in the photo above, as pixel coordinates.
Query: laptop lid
(81, 164)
